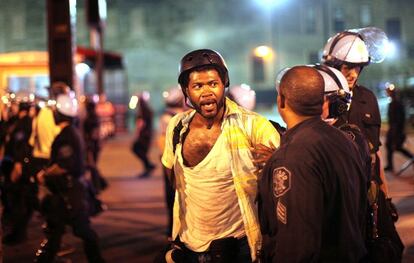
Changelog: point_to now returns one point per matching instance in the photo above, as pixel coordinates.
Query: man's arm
(265, 141)
(170, 175)
(53, 170)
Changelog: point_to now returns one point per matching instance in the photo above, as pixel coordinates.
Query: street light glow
(390, 49)
(270, 3)
(264, 52)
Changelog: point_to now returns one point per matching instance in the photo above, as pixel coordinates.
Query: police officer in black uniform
(311, 191)
(336, 104)
(18, 188)
(65, 205)
(348, 52)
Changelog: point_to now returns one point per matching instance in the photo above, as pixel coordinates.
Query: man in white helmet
(65, 204)
(348, 52)
(337, 100)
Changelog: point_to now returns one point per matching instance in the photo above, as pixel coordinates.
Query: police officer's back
(312, 190)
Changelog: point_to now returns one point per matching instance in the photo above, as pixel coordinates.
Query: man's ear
(281, 101)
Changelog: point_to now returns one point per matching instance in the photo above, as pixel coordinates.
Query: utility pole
(96, 15)
(61, 21)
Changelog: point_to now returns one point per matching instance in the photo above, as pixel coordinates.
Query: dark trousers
(57, 217)
(395, 143)
(169, 200)
(141, 151)
(21, 201)
(218, 252)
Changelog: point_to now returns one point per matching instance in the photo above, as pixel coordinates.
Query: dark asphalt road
(132, 229)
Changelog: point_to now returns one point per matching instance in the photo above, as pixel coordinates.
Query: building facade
(154, 34)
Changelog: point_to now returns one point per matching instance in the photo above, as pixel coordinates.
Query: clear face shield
(376, 42)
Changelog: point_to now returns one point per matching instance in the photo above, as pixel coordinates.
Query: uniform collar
(357, 94)
(291, 132)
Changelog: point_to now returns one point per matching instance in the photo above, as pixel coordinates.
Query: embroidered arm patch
(281, 181)
(281, 212)
(65, 151)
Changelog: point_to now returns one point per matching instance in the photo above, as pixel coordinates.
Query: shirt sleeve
(167, 158)
(297, 209)
(265, 133)
(69, 154)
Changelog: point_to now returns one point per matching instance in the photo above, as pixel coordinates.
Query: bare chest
(198, 143)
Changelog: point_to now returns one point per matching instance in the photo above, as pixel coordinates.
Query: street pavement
(133, 227)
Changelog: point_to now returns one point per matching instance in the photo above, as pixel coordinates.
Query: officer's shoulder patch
(18, 136)
(281, 181)
(65, 151)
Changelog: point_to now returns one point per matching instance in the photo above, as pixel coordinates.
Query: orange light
(264, 52)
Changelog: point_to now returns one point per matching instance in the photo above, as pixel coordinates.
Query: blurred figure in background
(18, 188)
(244, 96)
(95, 183)
(91, 135)
(174, 103)
(395, 134)
(143, 133)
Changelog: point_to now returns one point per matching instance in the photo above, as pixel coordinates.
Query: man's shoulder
(364, 91)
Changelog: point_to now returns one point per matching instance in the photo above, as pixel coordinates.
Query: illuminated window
(393, 28)
(258, 69)
(338, 20)
(310, 20)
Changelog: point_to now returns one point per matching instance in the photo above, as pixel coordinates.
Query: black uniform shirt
(68, 151)
(311, 195)
(364, 113)
(354, 133)
(19, 139)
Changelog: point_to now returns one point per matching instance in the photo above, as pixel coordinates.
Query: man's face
(351, 74)
(206, 92)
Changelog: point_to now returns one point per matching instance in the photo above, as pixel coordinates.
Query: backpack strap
(176, 135)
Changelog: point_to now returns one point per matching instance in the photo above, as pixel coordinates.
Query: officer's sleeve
(266, 208)
(21, 148)
(69, 157)
(298, 210)
(266, 200)
(374, 124)
(167, 158)
(264, 132)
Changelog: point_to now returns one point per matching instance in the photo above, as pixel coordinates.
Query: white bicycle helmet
(244, 96)
(67, 105)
